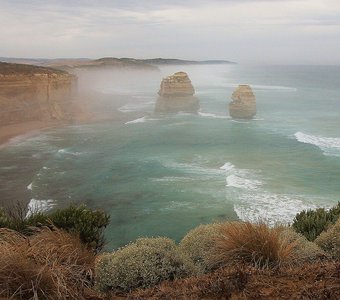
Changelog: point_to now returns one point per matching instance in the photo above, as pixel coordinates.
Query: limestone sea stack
(176, 94)
(243, 105)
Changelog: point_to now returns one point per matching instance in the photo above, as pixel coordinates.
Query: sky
(244, 31)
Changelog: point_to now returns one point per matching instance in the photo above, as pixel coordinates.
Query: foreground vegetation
(57, 256)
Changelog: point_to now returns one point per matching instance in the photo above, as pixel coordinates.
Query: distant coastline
(110, 61)
(18, 77)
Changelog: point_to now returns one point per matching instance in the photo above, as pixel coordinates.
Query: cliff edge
(32, 93)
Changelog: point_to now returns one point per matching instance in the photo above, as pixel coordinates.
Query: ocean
(162, 175)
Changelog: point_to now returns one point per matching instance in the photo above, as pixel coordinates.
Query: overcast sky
(245, 31)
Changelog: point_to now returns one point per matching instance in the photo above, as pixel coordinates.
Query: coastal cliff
(176, 94)
(31, 93)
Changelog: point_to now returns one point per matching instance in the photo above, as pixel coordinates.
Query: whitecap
(36, 205)
(271, 208)
(244, 183)
(238, 121)
(65, 151)
(210, 115)
(139, 120)
(172, 179)
(227, 166)
(29, 187)
(327, 144)
(193, 168)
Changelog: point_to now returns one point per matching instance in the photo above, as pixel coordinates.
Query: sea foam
(65, 151)
(244, 183)
(210, 115)
(139, 120)
(227, 166)
(39, 206)
(272, 208)
(326, 144)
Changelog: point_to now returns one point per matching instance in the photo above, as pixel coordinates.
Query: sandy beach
(10, 133)
(19, 131)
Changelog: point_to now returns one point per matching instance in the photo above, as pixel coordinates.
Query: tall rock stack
(176, 94)
(243, 105)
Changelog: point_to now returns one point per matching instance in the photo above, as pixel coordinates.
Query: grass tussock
(254, 244)
(47, 265)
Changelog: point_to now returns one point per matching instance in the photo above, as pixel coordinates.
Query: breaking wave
(330, 146)
(35, 206)
(271, 208)
(210, 115)
(244, 183)
(139, 120)
(65, 151)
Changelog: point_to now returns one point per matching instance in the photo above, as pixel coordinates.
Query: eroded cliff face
(243, 105)
(176, 94)
(30, 93)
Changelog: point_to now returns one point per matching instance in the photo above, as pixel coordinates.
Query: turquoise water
(163, 175)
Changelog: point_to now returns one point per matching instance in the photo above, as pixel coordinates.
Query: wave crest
(330, 146)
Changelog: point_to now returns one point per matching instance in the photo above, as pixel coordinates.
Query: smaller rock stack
(176, 94)
(243, 105)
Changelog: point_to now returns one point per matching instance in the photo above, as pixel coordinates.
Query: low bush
(311, 223)
(304, 250)
(142, 264)
(329, 240)
(254, 244)
(198, 243)
(46, 265)
(87, 223)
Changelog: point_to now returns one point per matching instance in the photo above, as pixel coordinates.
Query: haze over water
(165, 174)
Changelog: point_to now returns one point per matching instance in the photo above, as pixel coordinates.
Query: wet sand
(11, 133)
(93, 111)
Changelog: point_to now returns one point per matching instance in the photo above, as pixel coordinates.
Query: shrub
(87, 223)
(304, 250)
(46, 265)
(311, 223)
(198, 244)
(254, 244)
(329, 240)
(142, 264)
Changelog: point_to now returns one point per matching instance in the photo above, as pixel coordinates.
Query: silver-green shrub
(142, 264)
(329, 240)
(198, 245)
(303, 250)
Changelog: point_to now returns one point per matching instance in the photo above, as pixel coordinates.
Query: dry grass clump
(221, 284)
(142, 264)
(46, 265)
(254, 244)
(198, 244)
(329, 240)
(315, 281)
